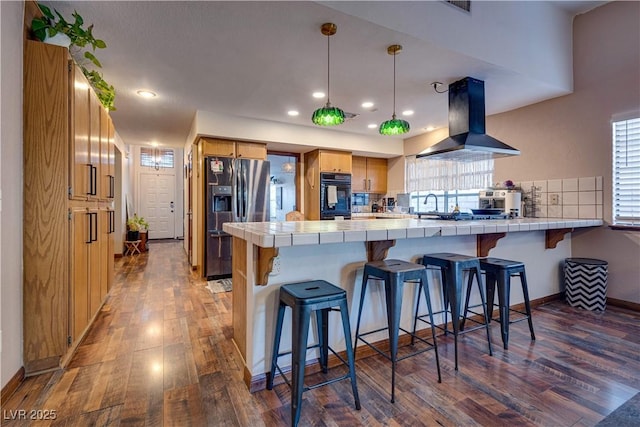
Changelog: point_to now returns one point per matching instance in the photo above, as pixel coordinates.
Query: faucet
(426, 199)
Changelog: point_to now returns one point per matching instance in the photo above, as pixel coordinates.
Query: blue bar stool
(452, 267)
(395, 273)
(303, 298)
(499, 271)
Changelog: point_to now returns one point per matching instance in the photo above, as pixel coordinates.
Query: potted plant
(133, 229)
(143, 225)
(49, 27)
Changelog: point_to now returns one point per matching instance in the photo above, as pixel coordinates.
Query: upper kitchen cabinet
(369, 175)
(107, 155)
(334, 161)
(228, 148)
(251, 150)
(217, 147)
(97, 187)
(81, 184)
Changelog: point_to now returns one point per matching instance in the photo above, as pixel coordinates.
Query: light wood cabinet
(369, 175)
(107, 154)
(236, 149)
(218, 147)
(63, 259)
(251, 150)
(82, 172)
(316, 162)
(334, 161)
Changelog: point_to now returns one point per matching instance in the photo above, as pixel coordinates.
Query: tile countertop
(378, 215)
(279, 234)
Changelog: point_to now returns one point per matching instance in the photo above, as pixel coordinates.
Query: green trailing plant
(106, 93)
(81, 38)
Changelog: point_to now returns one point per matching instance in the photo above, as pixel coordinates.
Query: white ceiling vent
(350, 116)
(464, 5)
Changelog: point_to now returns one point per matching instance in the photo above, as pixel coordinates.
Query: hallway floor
(160, 353)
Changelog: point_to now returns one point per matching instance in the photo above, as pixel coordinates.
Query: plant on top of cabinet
(48, 26)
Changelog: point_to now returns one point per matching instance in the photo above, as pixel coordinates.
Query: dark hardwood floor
(160, 354)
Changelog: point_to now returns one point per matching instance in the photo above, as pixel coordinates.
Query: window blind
(427, 174)
(626, 172)
(156, 157)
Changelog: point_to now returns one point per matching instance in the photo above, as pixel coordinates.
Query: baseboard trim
(12, 386)
(623, 304)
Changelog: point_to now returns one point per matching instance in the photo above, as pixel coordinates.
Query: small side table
(132, 247)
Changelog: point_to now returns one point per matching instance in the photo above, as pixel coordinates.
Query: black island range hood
(467, 139)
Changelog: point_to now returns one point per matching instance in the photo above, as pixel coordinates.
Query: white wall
(11, 18)
(570, 136)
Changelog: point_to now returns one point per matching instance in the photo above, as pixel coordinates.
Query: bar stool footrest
(430, 346)
(327, 382)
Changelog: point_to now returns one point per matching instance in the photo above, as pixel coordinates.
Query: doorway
(157, 204)
(284, 194)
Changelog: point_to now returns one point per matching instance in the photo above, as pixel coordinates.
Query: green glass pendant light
(328, 115)
(394, 126)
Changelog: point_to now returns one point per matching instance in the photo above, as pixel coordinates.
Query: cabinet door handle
(369, 185)
(112, 226)
(90, 216)
(90, 179)
(112, 186)
(94, 180)
(94, 217)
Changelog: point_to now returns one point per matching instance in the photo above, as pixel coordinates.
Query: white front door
(157, 200)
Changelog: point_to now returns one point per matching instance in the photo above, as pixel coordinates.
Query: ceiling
(261, 59)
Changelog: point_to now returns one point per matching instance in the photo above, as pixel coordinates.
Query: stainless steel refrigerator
(237, 190)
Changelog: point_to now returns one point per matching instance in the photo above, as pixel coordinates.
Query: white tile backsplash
(576, 197)
(554, 211)
(569, 198)
(541, 186)
(554, 185)
(587, 211)
(587, 184)
(587, 197)
(569, 211)
(570, 184)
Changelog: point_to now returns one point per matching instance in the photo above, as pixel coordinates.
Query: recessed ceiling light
(367, 104)
(154, 144)
(319, 94)
(429, 128)
(407, 113)
(293, 113)
(372, 126)
(146, 94)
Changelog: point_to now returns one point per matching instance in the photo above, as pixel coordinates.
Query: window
(156, 157)
(454, 183)
(626, 172)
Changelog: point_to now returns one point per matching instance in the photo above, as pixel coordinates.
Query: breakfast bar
(267, 255)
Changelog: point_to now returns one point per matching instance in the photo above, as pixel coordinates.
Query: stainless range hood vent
(467, 139)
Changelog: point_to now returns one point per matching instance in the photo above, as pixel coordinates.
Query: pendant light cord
(328, 67)
(394, 85)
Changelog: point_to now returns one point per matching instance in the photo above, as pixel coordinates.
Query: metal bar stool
(499, 271)
(303, 298)
(452, 267)
(395, 273)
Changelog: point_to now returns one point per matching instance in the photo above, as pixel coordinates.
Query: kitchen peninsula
(269, 254)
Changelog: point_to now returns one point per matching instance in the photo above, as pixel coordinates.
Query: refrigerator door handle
(244, 196)
(236, 195)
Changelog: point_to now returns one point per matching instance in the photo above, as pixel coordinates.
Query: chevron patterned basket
(585, 282)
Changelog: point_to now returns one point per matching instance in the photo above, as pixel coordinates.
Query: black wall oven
(335, 195)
